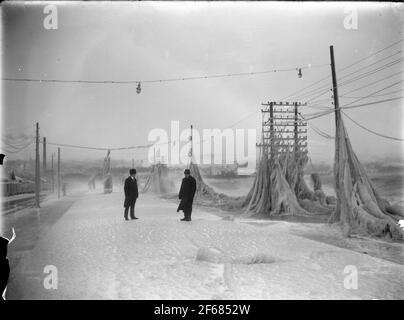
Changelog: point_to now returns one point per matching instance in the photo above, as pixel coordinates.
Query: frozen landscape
(278, 122)
(98, 255)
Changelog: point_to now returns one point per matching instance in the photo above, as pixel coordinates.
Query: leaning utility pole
(37, 168)
(58, 173)
(337, 156)
(334, 85)
(44, 154)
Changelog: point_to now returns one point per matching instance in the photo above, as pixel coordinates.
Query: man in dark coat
(131, 194)
(186, 195)
(4, 265)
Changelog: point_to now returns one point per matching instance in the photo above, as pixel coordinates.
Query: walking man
(131, 194)
(186, 195)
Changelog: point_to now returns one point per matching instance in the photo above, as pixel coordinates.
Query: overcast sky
(144, 41)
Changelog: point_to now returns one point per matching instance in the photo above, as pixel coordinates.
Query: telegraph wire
(371, 131)
(369, 95)
(369, 73)
(374, 95)
(371, 55)
(159, 80)
(341, 70)
(372, 83)
(358, 77)
(365, 67)
(318, 81)
(16, 150)
(317, 130)
(370, 103)
(320, 132)
(97, 148)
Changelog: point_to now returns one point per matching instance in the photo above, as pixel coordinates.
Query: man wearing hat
(186, 195)
(131, 194)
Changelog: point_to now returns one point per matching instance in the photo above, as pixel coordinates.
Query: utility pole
(212, 159)
(262, 135)
(337, 122)
(37, 168)
(271, 127)
(235, 150)
(53, 177)
(296, 132)
(334, 86)
(133, 163)
(58, 173)
(44, 154)
(191, 151)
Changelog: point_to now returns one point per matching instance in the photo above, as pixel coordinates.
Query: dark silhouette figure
(64, 188)
(131, 194)
(4, 265)
(2, 158)
(91, 183)
(186, 195)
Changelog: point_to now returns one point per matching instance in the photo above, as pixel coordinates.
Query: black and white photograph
(221, 151)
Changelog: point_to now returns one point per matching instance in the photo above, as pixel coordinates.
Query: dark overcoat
(187, 193)
(131, 191)
(4, 265)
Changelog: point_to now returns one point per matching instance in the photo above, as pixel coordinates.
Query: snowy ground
(98, 255)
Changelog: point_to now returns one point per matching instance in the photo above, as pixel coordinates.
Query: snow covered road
(98, 255)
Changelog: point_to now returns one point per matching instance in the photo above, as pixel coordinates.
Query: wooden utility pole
(271, 127)
(234, 151)
(58, 173)
(334, 85)
(53, 176)
(337, 184)
(296, 133)
(37, 169)
(44, 154)
(262, 132)
(191, 151)
(212, 159)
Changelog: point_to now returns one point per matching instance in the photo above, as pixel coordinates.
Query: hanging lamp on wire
(300, 73)
(138, 88)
